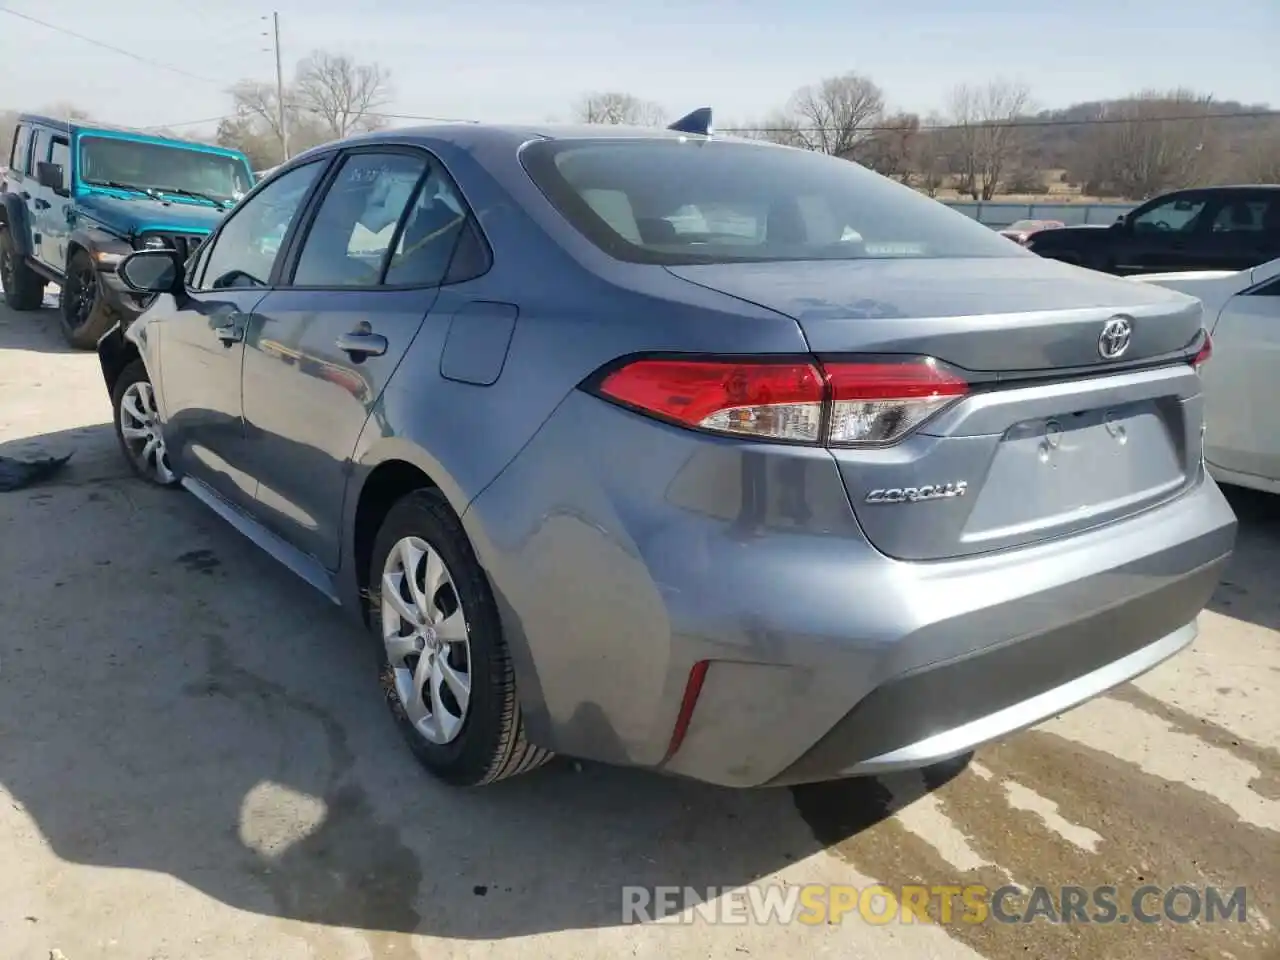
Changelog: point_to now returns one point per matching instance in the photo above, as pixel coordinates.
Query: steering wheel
(1162, 225)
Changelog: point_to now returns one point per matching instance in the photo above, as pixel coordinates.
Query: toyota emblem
(1114, 339)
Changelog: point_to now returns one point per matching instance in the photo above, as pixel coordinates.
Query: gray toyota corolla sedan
(713, 457)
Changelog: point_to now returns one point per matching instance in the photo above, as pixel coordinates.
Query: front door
(201, 337)
(1166, 236)
(322, 349)
(54, 206)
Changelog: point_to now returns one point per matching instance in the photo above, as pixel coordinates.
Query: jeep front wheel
(23, 287)
(85, 317)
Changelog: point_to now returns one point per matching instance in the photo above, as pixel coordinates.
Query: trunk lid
(1052, 438)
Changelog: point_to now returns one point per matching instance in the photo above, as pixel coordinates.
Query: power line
(107, 46)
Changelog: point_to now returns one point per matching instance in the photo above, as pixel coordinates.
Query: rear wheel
(23, 287)
(138, 426)
(446, 670)
(85, 316)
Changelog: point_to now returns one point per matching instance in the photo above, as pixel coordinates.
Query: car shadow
(1248, 588)
(177, 702)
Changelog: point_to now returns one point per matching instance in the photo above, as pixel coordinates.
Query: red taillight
(779, 400)
(837, 403)
(1205, 351)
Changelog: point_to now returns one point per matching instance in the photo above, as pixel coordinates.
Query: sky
(530, 60)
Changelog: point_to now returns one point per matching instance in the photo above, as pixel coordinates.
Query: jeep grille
(184, 243)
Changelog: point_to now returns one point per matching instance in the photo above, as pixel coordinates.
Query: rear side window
(18, 153)
(676, 201)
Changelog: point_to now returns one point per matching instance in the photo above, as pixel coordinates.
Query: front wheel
(446, 670)
(85, 317)
(138, 426)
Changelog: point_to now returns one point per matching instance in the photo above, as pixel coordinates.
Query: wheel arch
(13, 216)
(115, 353)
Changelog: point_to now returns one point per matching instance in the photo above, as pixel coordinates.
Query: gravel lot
(194, 764)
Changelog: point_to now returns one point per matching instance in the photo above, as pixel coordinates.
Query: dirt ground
(195, 765)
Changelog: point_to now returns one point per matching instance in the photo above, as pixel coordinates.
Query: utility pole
(284, 127)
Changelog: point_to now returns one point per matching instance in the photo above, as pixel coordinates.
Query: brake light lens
(869, 402)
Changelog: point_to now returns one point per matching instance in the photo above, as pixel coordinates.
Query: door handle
(42, 204)
(359, 344)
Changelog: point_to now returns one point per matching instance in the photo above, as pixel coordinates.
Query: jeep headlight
(152, 242)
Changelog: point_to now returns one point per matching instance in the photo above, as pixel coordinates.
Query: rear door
(1047, 437)
(322, 348)
(1242, 429)
(1244, 231)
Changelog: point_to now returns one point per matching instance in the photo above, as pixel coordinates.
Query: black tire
(23, 287)
(491, 745)
(85, 314)
(136, 373)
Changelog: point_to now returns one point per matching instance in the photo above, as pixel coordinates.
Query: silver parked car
(1242, 428)
(716, 458)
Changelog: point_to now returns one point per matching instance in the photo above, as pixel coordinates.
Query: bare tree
(1259, 161)
(985, 133)
(1149, 143)
(618, 108)
(837, 115)
(342, 94)
(892, 150)
(254, 129)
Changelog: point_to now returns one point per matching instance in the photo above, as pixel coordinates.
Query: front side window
(172, 170)
(356, 222)
(674, 201)
(60, 154)
(1180, 215)
(244, 252)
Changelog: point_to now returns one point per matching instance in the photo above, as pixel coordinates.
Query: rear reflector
(864, 402)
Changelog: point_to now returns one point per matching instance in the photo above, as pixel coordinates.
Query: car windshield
(155, 166)
(688, 201)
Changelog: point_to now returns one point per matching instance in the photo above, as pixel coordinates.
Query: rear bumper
(618, 571)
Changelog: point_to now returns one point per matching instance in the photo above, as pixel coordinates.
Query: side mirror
(152, 271)
(50, 175)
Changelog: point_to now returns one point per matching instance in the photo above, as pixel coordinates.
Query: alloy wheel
(140, 428)
(424, 631)
(83, 292)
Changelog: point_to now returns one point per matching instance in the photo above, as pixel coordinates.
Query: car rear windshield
(687, 201)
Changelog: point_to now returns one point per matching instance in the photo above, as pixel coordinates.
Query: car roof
(489, 134)
(90, 126)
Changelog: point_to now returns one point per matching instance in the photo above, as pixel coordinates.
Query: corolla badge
(1115, 337)
(930, 491)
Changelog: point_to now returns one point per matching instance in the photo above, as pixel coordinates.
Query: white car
(1242, 398)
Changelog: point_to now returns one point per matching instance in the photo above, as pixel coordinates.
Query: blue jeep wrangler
(78, 197)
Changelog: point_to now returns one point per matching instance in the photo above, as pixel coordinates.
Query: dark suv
(1212, 228)
(79, 197)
